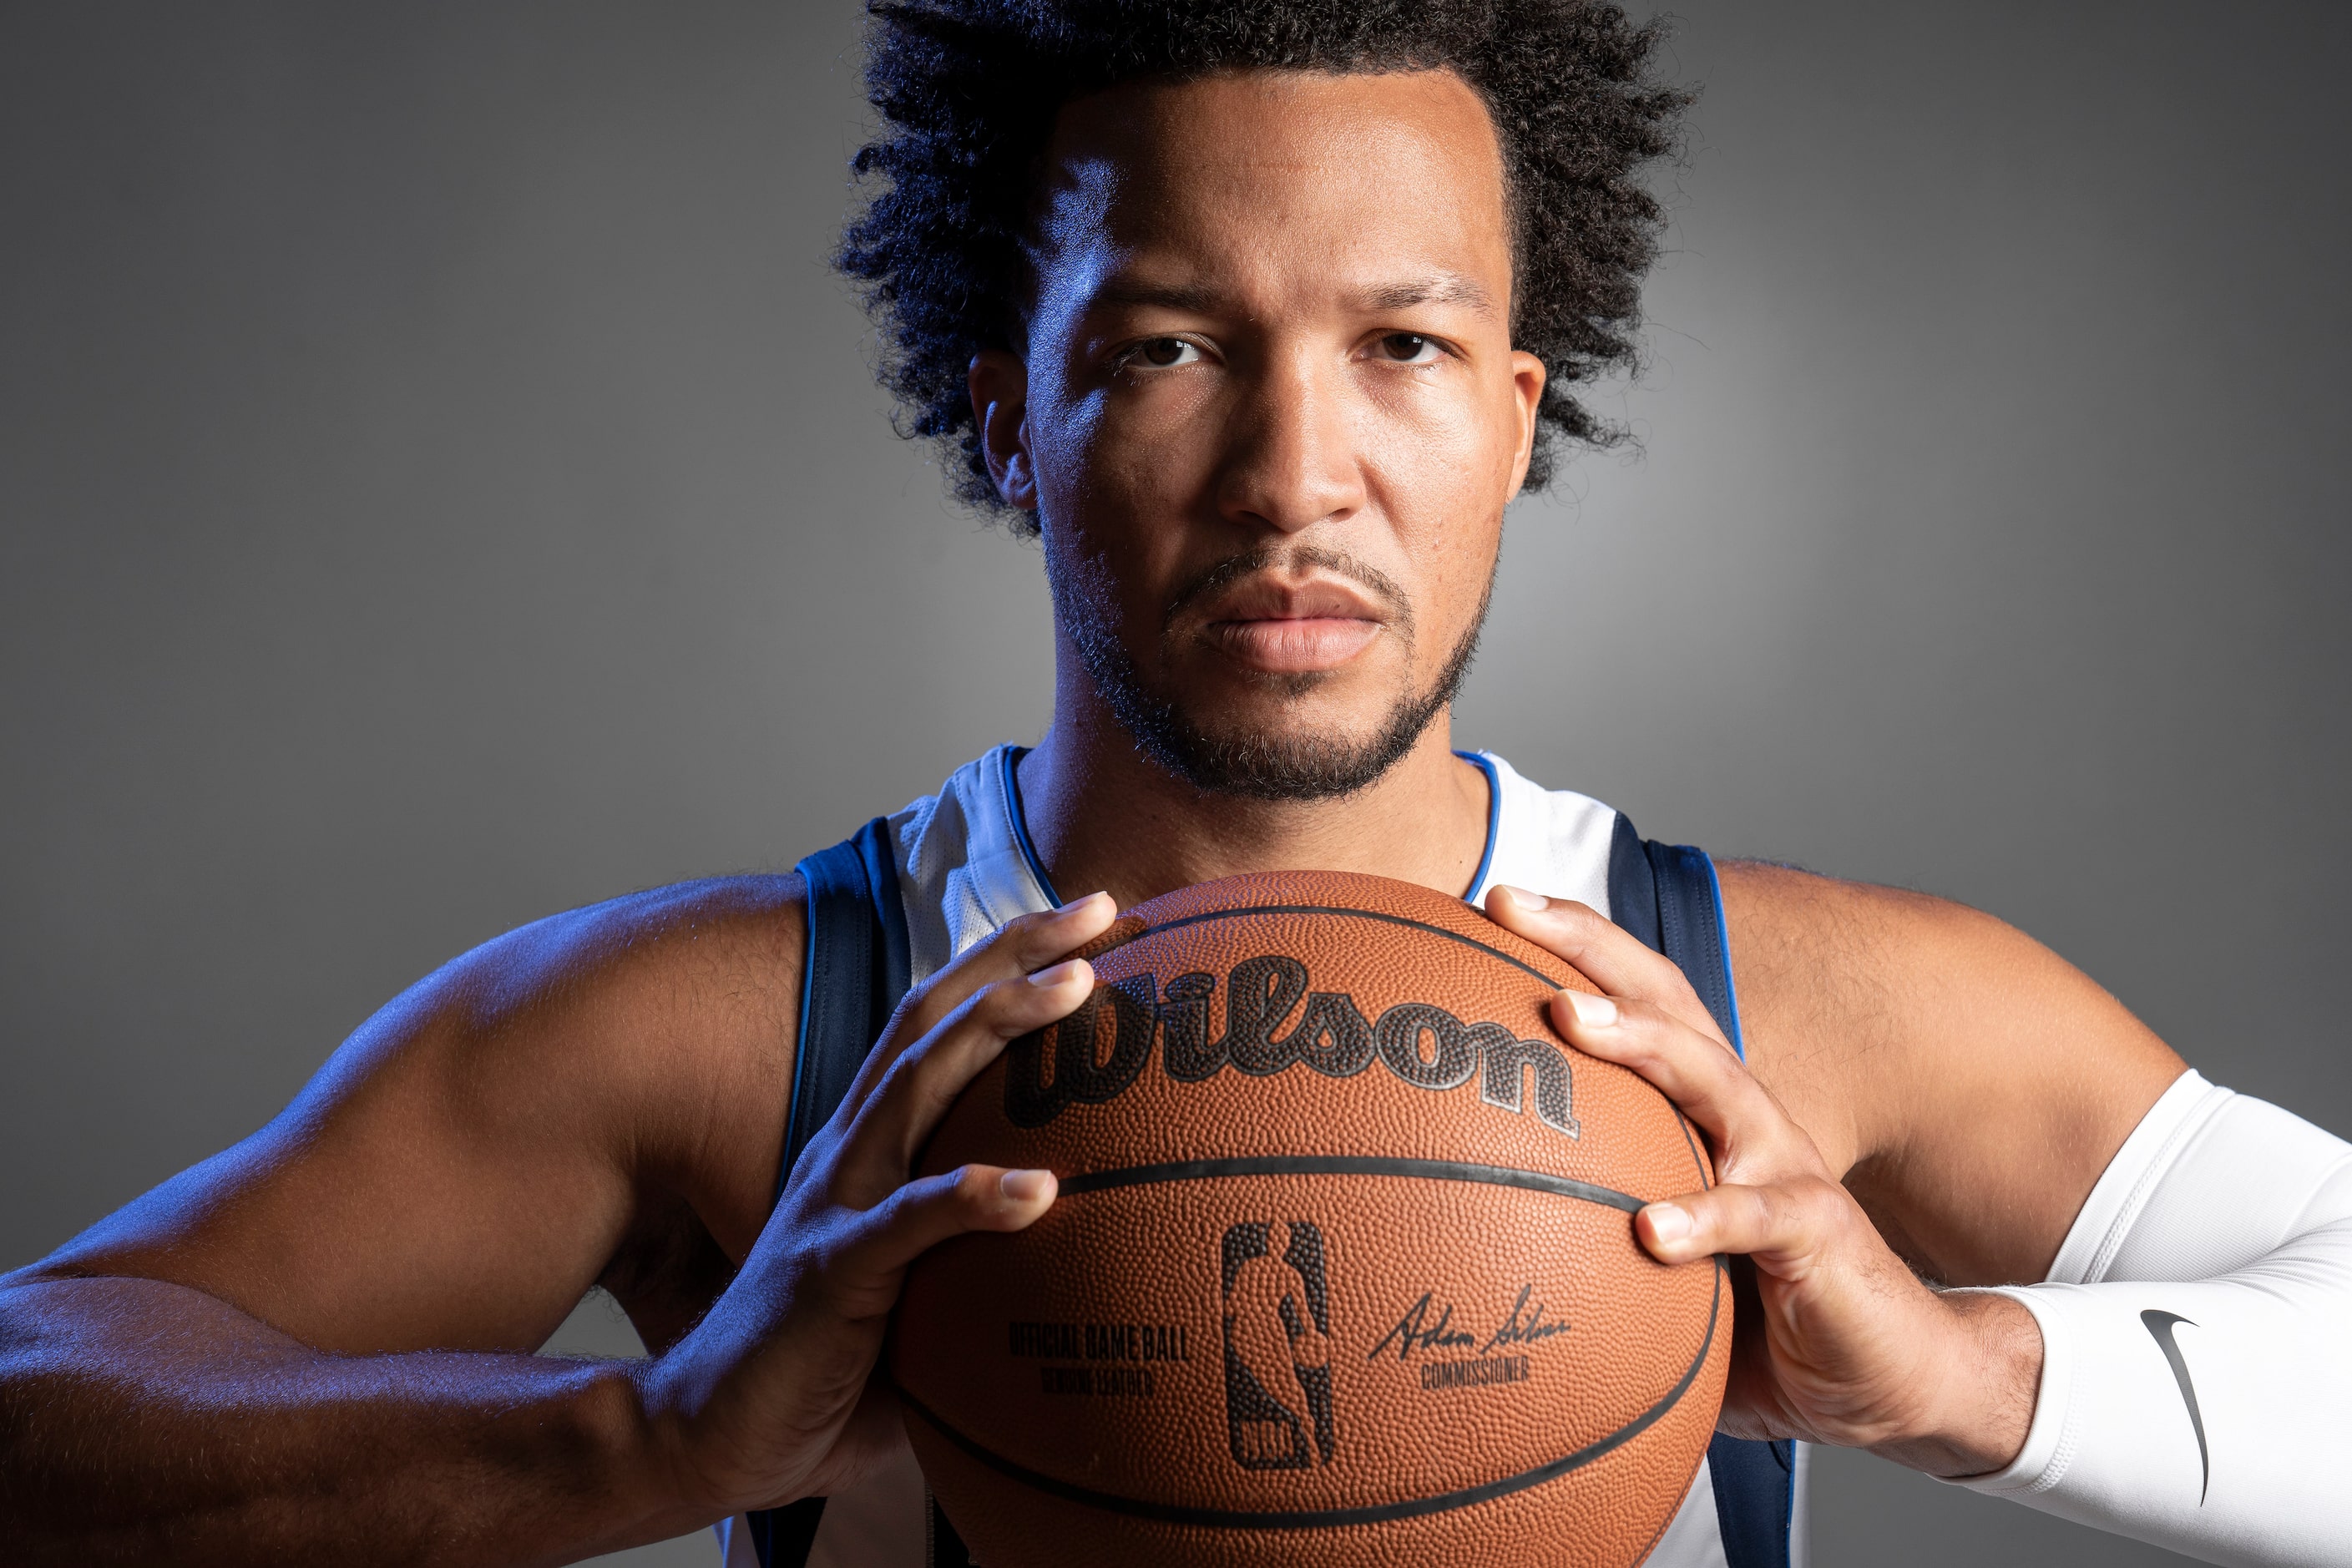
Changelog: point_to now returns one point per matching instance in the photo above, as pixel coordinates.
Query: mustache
(1384, 590)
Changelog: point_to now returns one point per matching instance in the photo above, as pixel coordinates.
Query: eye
(1409, 348)
(1163, 353)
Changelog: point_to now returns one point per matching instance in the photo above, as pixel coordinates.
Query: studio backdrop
(441, 483)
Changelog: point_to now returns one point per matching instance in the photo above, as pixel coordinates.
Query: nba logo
(1277, 1331)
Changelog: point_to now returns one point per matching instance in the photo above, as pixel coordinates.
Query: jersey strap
(1668, 895)
(855, 971)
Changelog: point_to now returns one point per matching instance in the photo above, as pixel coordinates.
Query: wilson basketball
(1342, 1270)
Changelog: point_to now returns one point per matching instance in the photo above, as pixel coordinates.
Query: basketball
(1342, 1269)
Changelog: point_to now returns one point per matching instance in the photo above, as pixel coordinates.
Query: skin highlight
(1285, 528)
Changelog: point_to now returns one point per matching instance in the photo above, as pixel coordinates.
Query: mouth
(1293, 628)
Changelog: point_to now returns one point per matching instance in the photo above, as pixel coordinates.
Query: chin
(1262, 735)
(1289, 713)
(1358, 694)
(1283, 753)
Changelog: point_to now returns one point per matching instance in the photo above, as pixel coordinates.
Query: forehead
(1264, 179)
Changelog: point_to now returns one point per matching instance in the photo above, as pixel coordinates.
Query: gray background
(440, 483)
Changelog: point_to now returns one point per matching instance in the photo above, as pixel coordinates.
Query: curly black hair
(968, 91)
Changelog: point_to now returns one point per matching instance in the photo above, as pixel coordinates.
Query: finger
(917, 1088)
(1019, 947)
(1749, 1130)
(1603, 951)
(863, 1151)
(1781, 1225)
(865, 1270)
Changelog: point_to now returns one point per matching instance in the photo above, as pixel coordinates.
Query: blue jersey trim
(1723, 941)
(1019, 819)
(1486, 764)
(813, 955)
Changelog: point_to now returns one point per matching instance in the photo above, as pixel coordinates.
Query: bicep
(467, 1164)
(1967, 1083)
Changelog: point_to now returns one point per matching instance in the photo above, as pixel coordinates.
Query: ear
(999, 383)
(1527, 385)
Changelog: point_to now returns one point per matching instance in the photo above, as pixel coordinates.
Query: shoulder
(610, 981)
(721, 944)
(1824, 970)
(1796, 929)
(659, 1026)
(581, 1091)
(1932, 1050)
(1849, 986)
(1816, 948)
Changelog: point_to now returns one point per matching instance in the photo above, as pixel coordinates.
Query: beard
(1270, 764)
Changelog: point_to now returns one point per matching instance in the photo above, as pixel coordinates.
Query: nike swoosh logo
(2159, 1324)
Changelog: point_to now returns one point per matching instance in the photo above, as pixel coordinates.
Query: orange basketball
(1342, 1270)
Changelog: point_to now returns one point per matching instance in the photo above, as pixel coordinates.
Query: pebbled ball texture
(1343, 1270)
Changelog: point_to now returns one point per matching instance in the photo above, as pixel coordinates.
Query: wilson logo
(1096, 1053)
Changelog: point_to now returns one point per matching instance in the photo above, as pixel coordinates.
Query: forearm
(142, 1421)
(2251, 1472)
(2196, 1369)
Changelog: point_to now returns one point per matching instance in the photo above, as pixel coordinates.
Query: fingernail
(1024, 1186)
(1075, 905)
(1067, 970)
(1523, 898)
(1667, 1223)
(1593, 1012)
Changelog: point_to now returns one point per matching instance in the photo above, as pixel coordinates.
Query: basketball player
(1260, 312)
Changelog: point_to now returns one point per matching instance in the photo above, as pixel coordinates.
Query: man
(1262, 315)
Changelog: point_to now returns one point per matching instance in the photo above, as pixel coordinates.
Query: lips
(1293, 628)
(1295, 647)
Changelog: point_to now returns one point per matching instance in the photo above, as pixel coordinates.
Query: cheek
(1104, 505)
(1118, 448)
(1063, 437)
(1457, 561)
(1439, 470)
(1455, 436)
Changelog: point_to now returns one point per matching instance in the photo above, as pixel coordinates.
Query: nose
(1290, 460)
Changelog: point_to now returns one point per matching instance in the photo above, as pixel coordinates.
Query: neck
(1105, 815)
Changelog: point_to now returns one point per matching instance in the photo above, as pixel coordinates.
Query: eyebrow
(1437, 289)
(1191, 298)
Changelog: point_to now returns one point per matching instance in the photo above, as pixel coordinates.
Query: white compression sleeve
(2197, 1341)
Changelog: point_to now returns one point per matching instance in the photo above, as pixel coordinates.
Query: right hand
(769, 1397)
(1843, 1344)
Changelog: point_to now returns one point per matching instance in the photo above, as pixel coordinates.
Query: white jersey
(966, 867)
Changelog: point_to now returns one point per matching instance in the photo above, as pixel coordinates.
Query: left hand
(1838, 1341)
